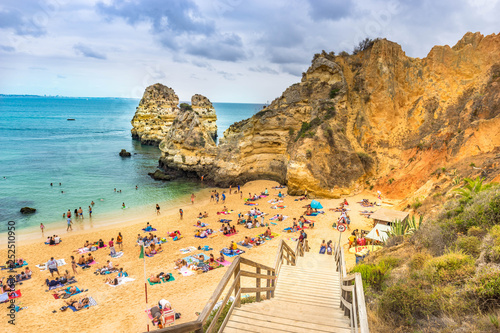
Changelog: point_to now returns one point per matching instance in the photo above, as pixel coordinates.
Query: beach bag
(93, 248)
(322, 250)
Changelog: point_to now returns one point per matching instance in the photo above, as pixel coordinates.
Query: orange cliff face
(375, 120)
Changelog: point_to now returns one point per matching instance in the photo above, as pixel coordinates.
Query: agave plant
(413, 225)
(403, 228)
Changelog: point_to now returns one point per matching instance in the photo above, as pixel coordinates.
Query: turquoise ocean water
(39, 146)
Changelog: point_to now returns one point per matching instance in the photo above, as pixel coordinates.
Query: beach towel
(163, 280)
(83, 250)
(228, 235)
(232, 253)
(121, 281)
(60, 241)
(148, 230)
(92, 302)
(17, 266)
(249, 246)
(206, 248)
(148, 311)
(192, 259)
(251, 204)
(200, 236)
(62, 285)
(224, 263)
(117, 254)
(188, 249)
(67, 295)
(43, 267)
(186, 272)
(5, 297)
(276, 217)
(274, 223)
(201, 226)
(225, 221)
(225, 213)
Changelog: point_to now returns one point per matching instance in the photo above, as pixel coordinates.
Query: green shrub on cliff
(453, 267)
(185, 107)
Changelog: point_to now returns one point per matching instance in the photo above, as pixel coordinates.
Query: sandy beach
(122, 308)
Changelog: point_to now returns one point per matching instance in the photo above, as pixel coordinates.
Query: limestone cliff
(376, 118)
(155, 114)
(189, 147)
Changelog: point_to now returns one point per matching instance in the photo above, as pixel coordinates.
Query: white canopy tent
(379, 232)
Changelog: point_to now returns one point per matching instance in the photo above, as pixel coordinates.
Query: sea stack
(155, 114)
(189, 148)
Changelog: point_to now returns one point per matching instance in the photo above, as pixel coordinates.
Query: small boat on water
(71, 119)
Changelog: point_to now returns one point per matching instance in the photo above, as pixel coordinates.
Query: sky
(228, 50)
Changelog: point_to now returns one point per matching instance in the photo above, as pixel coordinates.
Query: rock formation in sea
(155, 114)
(189, 148)
(377, 118)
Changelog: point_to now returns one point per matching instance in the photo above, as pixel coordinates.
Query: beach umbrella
(316, 204)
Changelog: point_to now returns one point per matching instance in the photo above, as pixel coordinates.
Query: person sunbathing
(155, 278)
(200, 216)
(205, 214)
(233, 246)
(147, 251)
(181, 263)
(121, 273)
(69, 290)
(221, 258)
(112, 281)
(90, 258)
(268, 232)
(78, 305)
(246, 242)
(52, 283)
(52, 241)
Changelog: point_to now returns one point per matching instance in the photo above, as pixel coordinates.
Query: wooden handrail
(235, 272)
(352, 297)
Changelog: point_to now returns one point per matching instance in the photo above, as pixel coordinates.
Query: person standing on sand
(119, 240)
(52, 265)
(158, 209)
(73, 264)
(42, 227)
(192, 198)
(230, 188)
(69, 224)
(181, 212)
(223, 197)
(241, 193)
(212, 196)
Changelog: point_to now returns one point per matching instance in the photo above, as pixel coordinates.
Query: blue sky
(227, 50)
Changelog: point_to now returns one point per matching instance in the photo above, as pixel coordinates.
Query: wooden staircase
(304, 292)
(306, 299)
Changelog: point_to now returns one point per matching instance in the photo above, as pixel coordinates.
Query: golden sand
(122, 308)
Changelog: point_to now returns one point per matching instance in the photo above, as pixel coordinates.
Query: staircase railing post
(257, 285)
(268, 284)
(237, 286)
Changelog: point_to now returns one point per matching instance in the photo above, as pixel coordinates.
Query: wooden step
(334, 304)
(279, 308)
(318, 272)
(251, 323)
(304, 281)
(291, 287)
(298, 321)
(306, 294)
